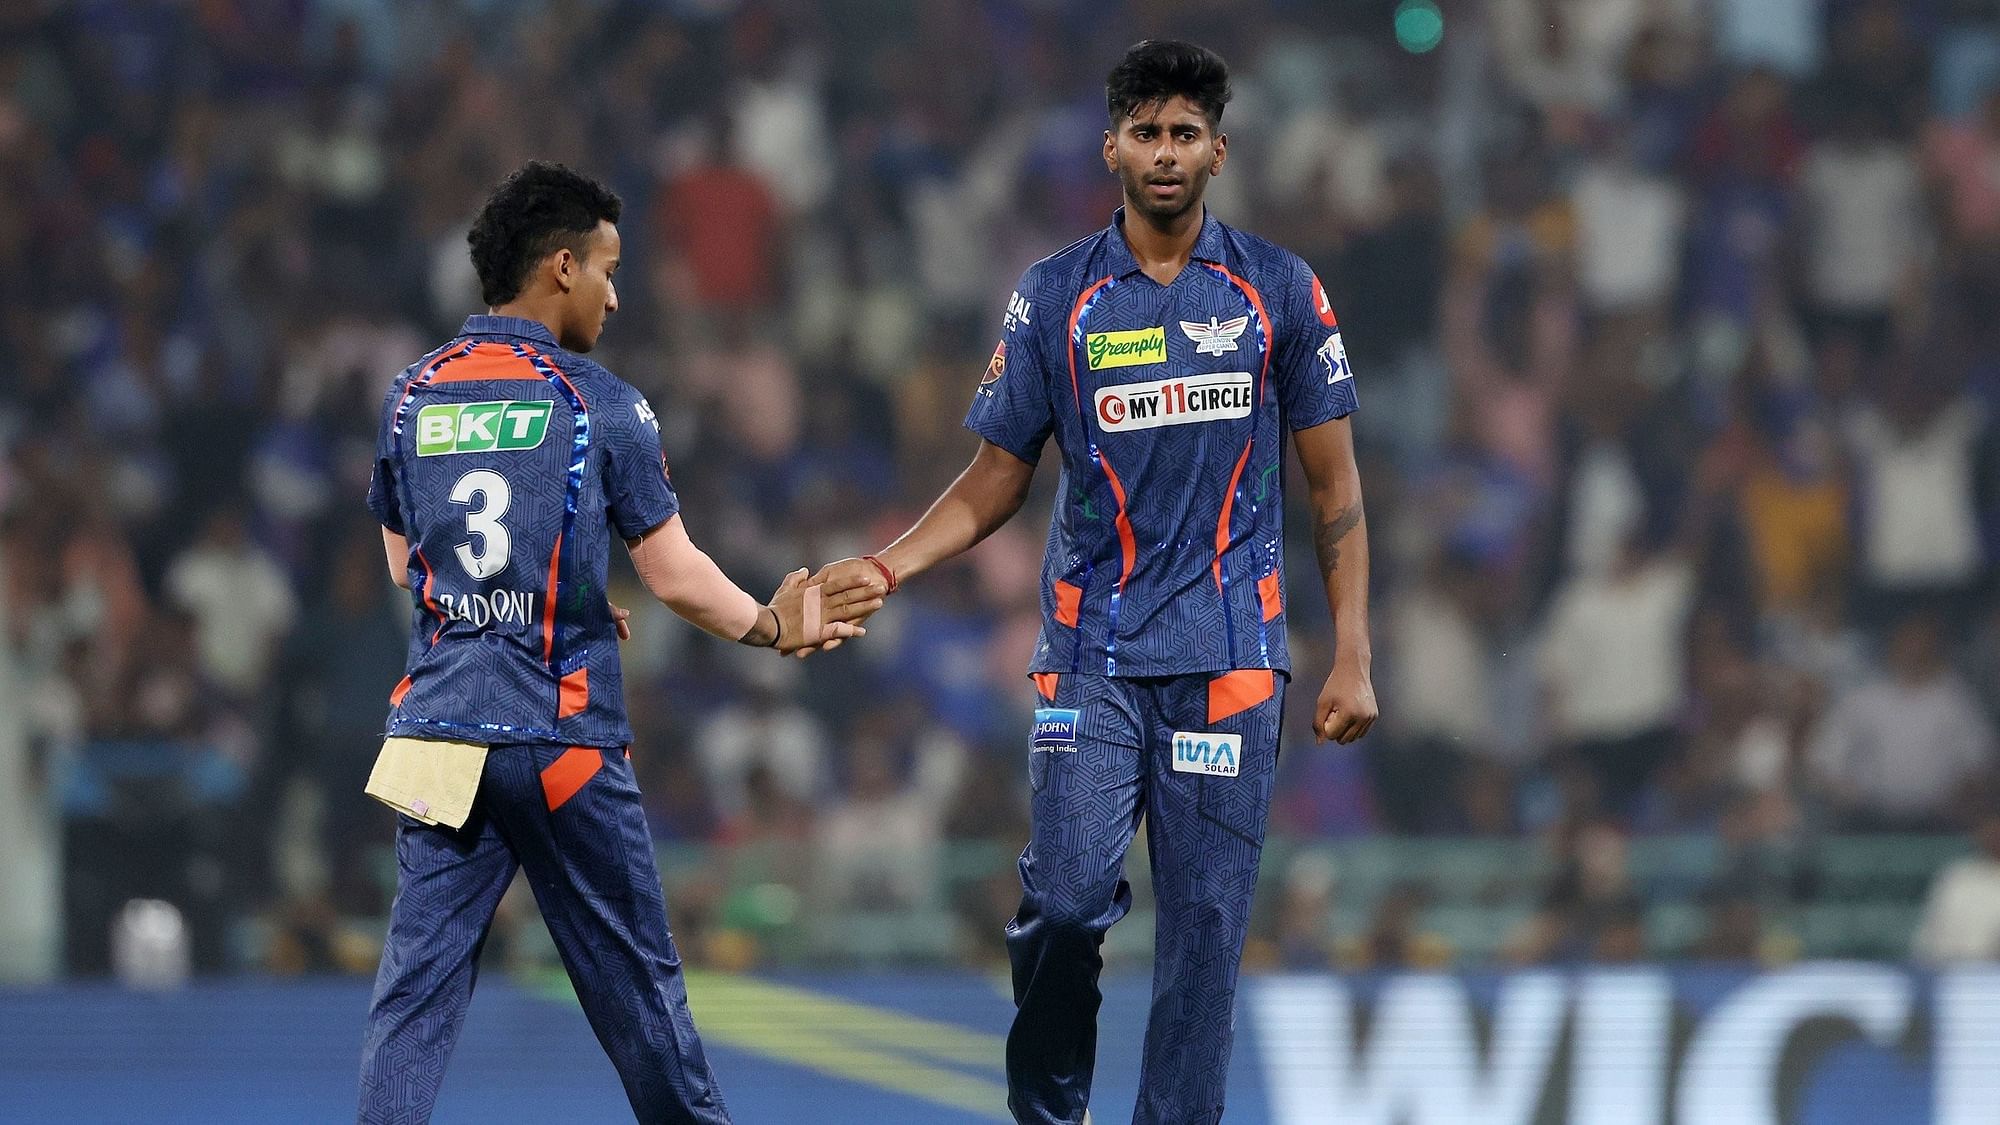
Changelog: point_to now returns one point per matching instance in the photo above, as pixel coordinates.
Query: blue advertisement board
(1812, 1044)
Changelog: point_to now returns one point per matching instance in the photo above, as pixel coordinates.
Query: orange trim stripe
(495, 363)
(430, 580)
(401, 689)
(1270, 344)
(573, 693)
(1069, 339)
(1127, 542)
(1125, 537)
(1228, 506)
(569, 773)
(1270, 592)
(560, 374)
(1069, 603)
(549, 603)
(1233, 693)
(446, 354)
(1264, 318)
(1046, 684)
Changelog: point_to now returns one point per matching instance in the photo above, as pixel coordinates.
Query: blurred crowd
(1673, 322)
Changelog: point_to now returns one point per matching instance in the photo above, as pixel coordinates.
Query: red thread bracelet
(888, 575)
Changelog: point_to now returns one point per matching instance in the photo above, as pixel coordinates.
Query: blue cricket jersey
(1170, 404)
(507, 461)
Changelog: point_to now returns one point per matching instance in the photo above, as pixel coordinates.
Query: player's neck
(1162, 250)
(546, 311)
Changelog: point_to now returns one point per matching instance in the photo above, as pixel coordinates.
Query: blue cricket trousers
(571, 818)
(1195, 756)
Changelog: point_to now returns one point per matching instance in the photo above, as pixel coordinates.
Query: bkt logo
(1204, 752)
(1055, 728)
(481, 427)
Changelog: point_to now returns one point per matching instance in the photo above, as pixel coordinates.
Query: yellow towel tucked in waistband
(430, 780)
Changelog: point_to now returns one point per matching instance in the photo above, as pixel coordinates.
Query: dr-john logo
(1055, 729)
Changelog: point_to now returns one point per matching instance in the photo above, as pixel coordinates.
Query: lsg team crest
(1215, 337)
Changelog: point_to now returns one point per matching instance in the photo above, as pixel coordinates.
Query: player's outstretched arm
(985, 495)
(688, 582)
(1340, 537)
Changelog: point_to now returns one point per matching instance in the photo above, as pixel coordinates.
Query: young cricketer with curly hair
(506, 460)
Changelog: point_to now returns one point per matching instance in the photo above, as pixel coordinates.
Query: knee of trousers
(1076, 915)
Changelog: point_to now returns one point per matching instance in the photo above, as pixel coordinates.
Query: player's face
(592, 296)
(1164, 154)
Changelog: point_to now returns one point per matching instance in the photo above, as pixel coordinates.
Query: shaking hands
(849, 592)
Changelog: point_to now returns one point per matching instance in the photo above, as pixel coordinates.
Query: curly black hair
(1157, 69)
(542, 207)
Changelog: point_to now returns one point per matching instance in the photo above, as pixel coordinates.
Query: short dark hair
(1157, 69)
(542, 207)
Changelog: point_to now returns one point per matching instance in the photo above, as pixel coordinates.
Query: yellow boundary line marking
(844, 1039)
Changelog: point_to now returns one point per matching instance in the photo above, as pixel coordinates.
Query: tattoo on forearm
(1327, 535)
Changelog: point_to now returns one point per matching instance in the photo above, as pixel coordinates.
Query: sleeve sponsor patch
(1322, 306)
(1333, 357)
(997, 366)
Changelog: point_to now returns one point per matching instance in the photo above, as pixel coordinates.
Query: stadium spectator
(877, 847)
(1586, 907)
(1613, 661)
(1438, 658)
(719, 226)
(1395, 938)
(242, 604)
(1905, 749)
(1915, 449)
(766, 728)
(1961, 920)
(1865, 240)
(1304, 917)
(1734, 931)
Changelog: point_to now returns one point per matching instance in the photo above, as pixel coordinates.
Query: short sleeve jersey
(507, 462)
(1170, 404)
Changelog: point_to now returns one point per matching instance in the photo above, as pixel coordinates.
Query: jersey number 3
(482, 521)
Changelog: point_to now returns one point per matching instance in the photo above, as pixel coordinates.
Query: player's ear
(1221, 153)
(1110, 151)
(564, 267)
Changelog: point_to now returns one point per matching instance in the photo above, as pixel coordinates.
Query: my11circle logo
(1203, 752)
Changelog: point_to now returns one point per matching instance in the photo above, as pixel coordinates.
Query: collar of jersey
(484, 324)
(1208, 246)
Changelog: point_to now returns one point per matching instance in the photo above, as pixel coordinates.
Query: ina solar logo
(1201, 752)
(481, 427)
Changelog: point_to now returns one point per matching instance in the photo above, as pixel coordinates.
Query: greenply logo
(1127, 349)
(481, 427)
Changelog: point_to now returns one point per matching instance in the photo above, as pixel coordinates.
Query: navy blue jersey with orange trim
(507, 461)
(1170, 404)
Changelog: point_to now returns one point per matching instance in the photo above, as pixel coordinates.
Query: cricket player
(1168, 355)
(506, 460)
